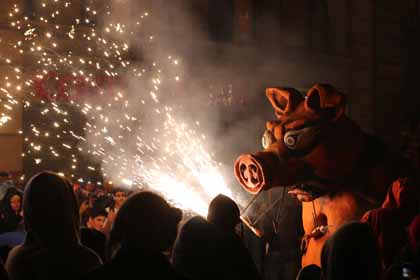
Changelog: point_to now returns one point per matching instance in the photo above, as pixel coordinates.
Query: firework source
(331, 165)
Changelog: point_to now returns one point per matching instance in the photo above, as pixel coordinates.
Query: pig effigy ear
(283, 100)
(325, 100)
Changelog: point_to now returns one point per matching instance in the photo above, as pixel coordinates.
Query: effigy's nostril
(253, 168)
(254, 180)
(242, 168)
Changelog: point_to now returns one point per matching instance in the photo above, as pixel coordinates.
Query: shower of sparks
(79, 105)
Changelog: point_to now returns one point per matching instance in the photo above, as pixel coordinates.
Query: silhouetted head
(351, 253)
(223, 212)
(310, 272)
(50, 211)
(145, 221)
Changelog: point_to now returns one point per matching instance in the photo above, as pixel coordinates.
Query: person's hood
(50, 211)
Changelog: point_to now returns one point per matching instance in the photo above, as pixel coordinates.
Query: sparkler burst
(87, 95)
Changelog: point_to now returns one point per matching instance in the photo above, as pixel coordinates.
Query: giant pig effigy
(338, 171)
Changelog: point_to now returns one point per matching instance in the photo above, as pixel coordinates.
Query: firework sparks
(80, 71)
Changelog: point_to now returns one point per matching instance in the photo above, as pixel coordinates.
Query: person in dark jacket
(145, 227)
(92, 236)
(52, 248)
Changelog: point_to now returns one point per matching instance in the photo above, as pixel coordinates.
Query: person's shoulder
(18, 257)
(22, 251)
(89, 256)
(16, 251)
(102, 272)
(87, 252)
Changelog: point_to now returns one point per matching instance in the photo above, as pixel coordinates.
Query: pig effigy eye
(301, 139)
(290, 139)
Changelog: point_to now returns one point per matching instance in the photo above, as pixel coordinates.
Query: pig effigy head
(312, 141)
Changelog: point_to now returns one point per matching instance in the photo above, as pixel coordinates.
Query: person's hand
(301, 195)
(111, 216)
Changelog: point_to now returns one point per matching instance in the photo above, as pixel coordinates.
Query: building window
(221, 20)
(29, 9)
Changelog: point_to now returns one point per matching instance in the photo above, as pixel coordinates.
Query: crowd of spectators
(53, 229)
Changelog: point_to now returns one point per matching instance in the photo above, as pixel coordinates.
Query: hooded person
(225, 215)
(52, 248)
(145, 227)
(197, 252)
(388, 223)
(408, 263)
(210, 249)
(351, 253)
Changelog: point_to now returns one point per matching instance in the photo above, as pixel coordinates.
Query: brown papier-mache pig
(335, 169)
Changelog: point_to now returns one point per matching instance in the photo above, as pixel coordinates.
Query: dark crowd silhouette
(52, 229)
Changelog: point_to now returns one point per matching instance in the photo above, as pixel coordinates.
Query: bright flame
(186, 174)
(179, 193)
